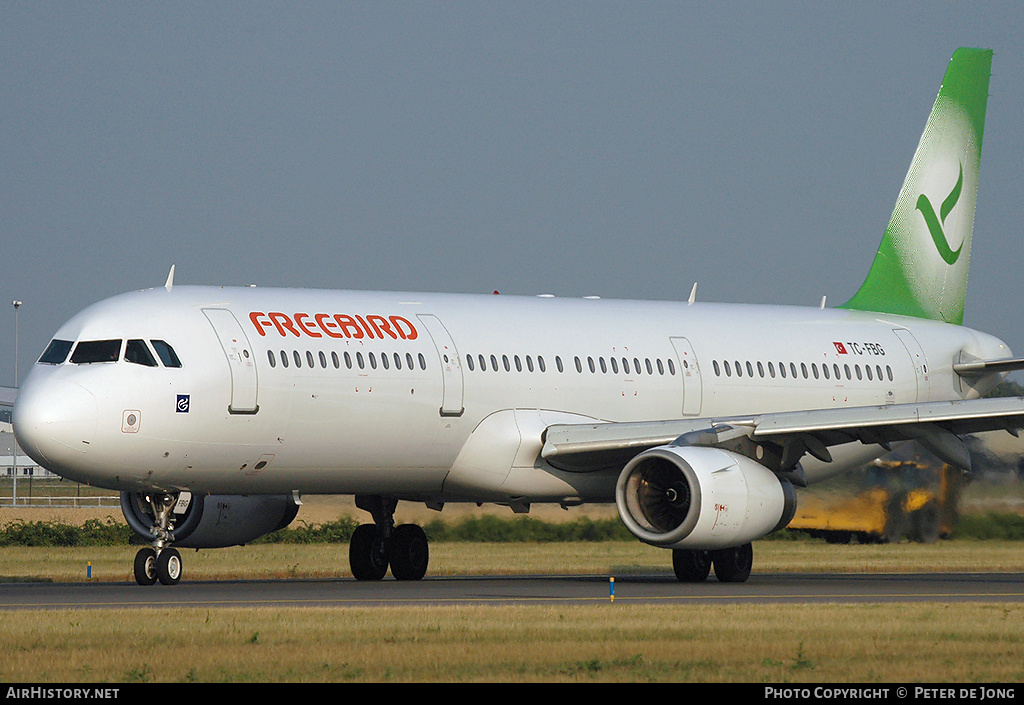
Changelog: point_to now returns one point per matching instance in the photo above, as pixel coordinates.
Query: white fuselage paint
(452, 431)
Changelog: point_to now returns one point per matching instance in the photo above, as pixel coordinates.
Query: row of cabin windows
(836, 372)
(351, 361)
(612, 364)
(528, 363)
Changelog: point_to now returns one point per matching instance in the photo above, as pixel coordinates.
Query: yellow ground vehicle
(901, 499)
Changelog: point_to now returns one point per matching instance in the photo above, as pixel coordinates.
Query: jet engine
(701, 497)
(208, 521)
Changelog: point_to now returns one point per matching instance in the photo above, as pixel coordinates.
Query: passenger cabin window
(56, 352)
(137, 352)
(90, 351)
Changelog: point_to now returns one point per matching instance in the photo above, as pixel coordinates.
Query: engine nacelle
(701, 497)
(213, 521)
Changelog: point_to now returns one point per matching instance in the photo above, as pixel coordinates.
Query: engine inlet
(662, 494)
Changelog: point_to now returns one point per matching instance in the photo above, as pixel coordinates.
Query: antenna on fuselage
(693, 294)
(169, 284)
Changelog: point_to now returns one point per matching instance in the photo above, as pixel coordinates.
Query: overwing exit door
(693, 393)
(451, 367)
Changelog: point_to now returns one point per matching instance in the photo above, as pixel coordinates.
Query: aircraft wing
(936, 425)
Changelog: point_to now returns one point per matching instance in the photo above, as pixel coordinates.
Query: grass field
(607, 642)
(270, 561)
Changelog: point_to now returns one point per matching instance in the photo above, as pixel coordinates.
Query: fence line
(60, 502)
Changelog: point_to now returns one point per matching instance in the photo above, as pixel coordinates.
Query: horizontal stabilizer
(978, 368)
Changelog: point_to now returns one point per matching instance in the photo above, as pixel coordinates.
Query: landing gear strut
(376, 546)
(159, 561)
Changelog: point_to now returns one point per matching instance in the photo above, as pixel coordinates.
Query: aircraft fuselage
(283, 390)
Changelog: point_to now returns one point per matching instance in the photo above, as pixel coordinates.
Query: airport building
(26, 467)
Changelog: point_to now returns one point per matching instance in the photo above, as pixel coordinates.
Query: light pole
(14, 446)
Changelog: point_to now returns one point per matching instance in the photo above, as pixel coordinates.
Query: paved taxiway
(760, 588)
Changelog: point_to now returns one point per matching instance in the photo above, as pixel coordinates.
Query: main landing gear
(375, 547)
(732, 565)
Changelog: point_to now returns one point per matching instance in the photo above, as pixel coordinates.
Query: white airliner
(213, 409)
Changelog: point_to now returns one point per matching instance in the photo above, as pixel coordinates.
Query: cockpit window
(166, 353)
(90, 351)
(56, 352)
(137, 352)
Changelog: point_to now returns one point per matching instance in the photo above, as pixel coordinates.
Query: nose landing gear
(153, 516)
(151, 566)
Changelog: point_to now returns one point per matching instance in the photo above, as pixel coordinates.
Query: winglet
(169, 284)
(921, 266)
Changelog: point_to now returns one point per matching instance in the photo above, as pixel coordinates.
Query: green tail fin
(921, 266)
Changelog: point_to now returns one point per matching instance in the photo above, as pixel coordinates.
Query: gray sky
(618, 149)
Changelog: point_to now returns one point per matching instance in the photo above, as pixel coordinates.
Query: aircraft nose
(54, 422)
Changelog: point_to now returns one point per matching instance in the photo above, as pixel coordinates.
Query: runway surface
(523, 590)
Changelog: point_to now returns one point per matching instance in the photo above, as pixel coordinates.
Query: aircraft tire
(410, 552)
(691, 566)
(168, 566)
(145, 566)
(368, 553)
(732, 565)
